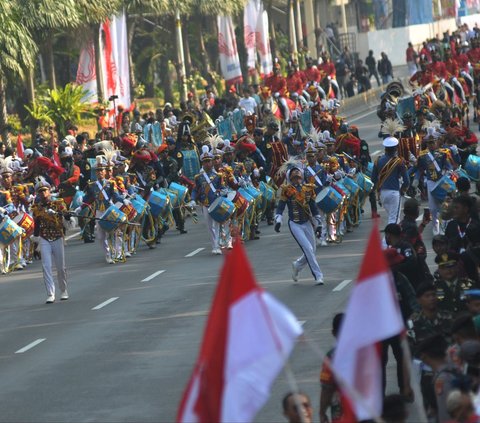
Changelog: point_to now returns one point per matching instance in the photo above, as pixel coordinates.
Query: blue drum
(172, 197)
(9, 231)
(369, 169)
(328, 200)
(461, 173)
(351, 186)
(364, 182)
(158, 203)
(191, 164)
(344, 189)
(77, 200)
(267, 191)
(221, 209)
(255, 193)
(472, 167)
(442, 188)
(139, 204)
(247, 195)
(180, 191)
(112, 219)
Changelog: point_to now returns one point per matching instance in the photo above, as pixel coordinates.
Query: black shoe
(269, 222)
(182, 231)
(88, 240)
(257, 231)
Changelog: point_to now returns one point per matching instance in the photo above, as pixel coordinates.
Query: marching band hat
(100, 162)
(41, 185)
(446, 259)
(206, 155)
(425, 287)
(390, 142)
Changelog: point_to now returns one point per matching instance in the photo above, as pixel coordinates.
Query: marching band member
(208, 186)
(48, 215)
(303, 214)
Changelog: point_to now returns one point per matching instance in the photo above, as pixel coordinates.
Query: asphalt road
(130, 359)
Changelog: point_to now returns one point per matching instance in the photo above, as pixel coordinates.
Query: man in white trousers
(303, 215)
(48, 215)
(386, 175)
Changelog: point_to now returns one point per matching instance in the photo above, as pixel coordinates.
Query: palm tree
(18, 51)
(45, 18)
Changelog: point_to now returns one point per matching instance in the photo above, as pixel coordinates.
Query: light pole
(181, 56)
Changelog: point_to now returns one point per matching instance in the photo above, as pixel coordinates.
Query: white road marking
(195, 252)
(105, 303)
(30, 346)
(72, 236)
(376, 152)
(302, 322)
(362, 116)
(153, 275)
(342, 285)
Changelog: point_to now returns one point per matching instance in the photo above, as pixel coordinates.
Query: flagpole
(181, 56)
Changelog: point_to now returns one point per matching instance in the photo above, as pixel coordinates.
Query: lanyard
(437, 167)
(207, 178)
(103, 192)
(460, 233)
(314, 174)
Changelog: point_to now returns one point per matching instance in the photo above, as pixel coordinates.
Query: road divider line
(342, 285)
(376, 152)
(153, 275)
(72, 236)
(302, 322)
(105, 303)
(30, 346)
(362, 116)
(195, 252)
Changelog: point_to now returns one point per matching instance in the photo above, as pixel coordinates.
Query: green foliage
(139, 91)
(61, 107)
(15, 124)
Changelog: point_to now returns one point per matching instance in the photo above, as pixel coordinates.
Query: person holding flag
(303, 216)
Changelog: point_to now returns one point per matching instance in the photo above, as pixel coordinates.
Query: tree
(17, 53)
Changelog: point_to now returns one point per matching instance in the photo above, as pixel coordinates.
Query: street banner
(227, 49)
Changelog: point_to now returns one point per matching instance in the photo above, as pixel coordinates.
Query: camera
(112, 97)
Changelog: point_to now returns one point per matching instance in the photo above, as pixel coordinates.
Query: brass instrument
(202, 127)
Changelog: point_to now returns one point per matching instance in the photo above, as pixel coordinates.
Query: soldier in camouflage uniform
(450, 288)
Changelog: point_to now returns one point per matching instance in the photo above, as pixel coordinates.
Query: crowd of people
(242, 160)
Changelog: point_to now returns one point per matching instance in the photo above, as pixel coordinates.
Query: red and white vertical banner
(263, 42)
(114, 60)
(227, 49)
(250, 18)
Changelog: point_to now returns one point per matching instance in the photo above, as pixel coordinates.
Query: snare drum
(140, 205)
(351, 186)
(442, 188)
(112, 219)
(129, 211)
(472, 167)
(342, 189)
(180, 191)
(221, 209)
(241, 203)
(158, 203)
(9, 231)
(365, 183)
(328, 199)
(26, 222)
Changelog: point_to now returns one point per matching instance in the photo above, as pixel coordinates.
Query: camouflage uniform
(424, 327)
(451, 294)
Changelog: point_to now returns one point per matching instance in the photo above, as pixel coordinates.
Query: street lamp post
(181, 56)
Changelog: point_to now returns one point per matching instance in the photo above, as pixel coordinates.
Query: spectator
(385, 69)
(372, 67)
(341, 71)
(411, 59)
(291, 404)
(361, 76)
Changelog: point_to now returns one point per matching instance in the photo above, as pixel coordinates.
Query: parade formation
(282, 156)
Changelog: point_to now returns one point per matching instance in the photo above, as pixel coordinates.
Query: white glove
(51, 211)
(256, 173)
(276, 95)
(278, 218)
(338, 175)
(442, 80)
(352, 171)
(192, 204)
(242, 182)
(30, 198)
(290, 132)
(77, 210)
(2, 210)
(127, 202)
(223, 192)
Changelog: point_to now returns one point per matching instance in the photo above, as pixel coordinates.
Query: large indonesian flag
(248, 337)
(372, 315)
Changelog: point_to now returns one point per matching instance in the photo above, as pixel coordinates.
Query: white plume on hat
(103, 145)
(41, 182)
(6, 165)
(205, 153)
(67, 152)
(286, 168)
(392, 127)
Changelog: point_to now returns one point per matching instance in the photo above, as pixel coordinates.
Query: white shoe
(128, 254)
(294, 272)
(323, 243)
(109, 260)
(23, 263)
(319, 281)
(50, 299)
(18, 266)
(64, 296)
(217, 251)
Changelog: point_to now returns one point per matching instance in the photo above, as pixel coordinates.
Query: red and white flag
(20, 148)
(263, 43)
(227, 50)
(250, 18)
(372, 315)
(248, 337)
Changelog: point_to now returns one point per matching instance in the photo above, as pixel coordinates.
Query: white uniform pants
(305, 237)
(434, 206)
(412, 68)
(213, 228)
(102, 236)
(391, 202)
(53, 251)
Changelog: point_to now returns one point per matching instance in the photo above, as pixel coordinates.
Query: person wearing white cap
(386, 175)
(208, 186)
(48, 215)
